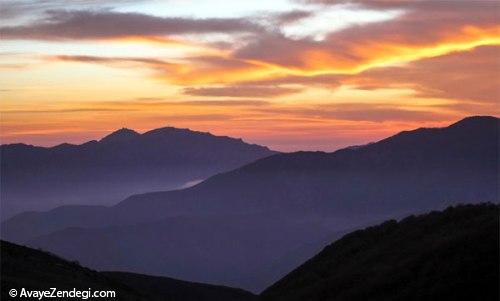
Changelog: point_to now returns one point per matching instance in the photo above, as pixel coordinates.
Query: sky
(288, 74)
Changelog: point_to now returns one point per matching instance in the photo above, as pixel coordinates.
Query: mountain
(235, 227)
(216, 249)
(449, 255)
(120, 164)
(31, 269)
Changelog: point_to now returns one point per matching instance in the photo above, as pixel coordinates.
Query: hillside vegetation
(449, 255)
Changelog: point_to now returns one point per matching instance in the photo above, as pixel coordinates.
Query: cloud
(438, 49)
(141, 104)
(329, 81)
(101, 59)
(242, 91)
(406, 4)
(192, 117)
(157, 65)
(57, 111)
(292, 16)
(420, 31)
(468, 75)
(14, 66)
(211, 103)
(464, 75)
(59, 24)
(373, 112)
(367, 3)
(214, 69)
(425, 29)
(11, 9)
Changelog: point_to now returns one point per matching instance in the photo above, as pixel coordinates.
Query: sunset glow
(292, 75)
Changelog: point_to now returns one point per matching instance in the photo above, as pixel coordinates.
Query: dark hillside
(449, 255)
(23, 267)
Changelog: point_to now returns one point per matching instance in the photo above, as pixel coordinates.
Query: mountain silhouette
(31, 269)
(119, 136)
(234, 227)
(120, 164)
(449, 255)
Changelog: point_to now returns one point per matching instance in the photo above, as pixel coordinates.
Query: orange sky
(292, 75)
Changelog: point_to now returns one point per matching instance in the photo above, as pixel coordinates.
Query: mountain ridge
(120, 164)
(132, 133)
(316, 193)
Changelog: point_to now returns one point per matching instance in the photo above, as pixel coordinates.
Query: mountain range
(123, 163)
(447, 255)
(250, 226)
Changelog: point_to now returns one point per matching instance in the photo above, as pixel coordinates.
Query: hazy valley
(252, 225)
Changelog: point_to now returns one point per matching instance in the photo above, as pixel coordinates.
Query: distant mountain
(276, 211)
(449, 255)
(411, 170)
(22, 267)
(120, 164)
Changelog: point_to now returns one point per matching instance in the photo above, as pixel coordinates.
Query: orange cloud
(467, 76)
(266, 54)
(314, 59)
(242, 91)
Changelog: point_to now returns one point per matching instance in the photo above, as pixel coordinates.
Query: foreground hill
(120, 164)
(449, 255)
(235, 227)
(31, 269)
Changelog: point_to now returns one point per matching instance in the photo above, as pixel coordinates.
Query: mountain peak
(122, 134)
(169, 130)
(475, 121)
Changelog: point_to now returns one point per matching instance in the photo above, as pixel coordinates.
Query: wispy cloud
(101, 59)
(220, 103)
(374, 112)
(242, 91)
(60, 24)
